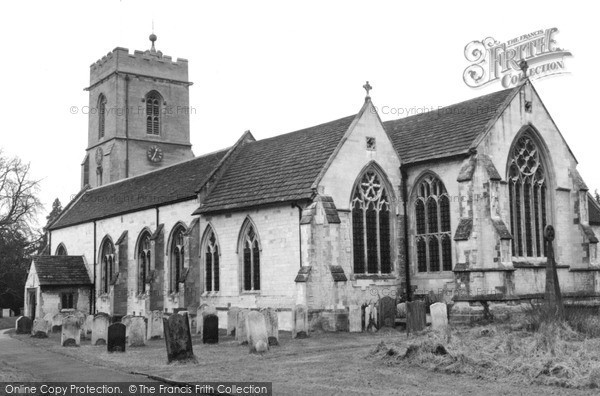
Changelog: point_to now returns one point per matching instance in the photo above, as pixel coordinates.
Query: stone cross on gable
(524, 66)
(367, 88)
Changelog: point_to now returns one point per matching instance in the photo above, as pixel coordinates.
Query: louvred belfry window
(101, 116)
(211, 262)
(371, 225)
(432, 217)
(527, 184)
(177, 257)
(153, 113)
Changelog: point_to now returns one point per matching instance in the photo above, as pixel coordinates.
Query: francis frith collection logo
(534, 55)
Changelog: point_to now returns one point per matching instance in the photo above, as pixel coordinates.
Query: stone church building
(447, 205)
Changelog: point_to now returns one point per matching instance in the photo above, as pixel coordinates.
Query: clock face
(154, 154)
(99, 155)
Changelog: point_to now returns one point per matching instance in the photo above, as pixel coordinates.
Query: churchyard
(525, 355)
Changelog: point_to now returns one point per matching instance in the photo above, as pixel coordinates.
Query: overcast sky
(275, 67)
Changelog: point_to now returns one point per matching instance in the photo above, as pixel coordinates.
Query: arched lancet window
(250, 249)
(211, 262)
(371, 225)
(61, 250)
(153, 101)
(177, 257)
(101, 115)
(432, 218)
(143, 257)
(107, 259)
(527, 186)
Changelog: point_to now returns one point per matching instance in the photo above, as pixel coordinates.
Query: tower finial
(153, 39)
(367, 88)
(524, 66)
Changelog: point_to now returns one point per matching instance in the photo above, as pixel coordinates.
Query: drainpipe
(126, 126)
(50, 242)
(93, 293)
(295, 205)
(406, 249)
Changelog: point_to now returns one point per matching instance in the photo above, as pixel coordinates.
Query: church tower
(139, 116)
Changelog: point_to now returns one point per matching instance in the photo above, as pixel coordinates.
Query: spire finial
(524, 66)
(367, 88)
(152, 38)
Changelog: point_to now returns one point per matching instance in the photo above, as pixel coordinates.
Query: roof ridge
(303, 129)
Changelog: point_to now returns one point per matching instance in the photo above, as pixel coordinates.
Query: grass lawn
(8, 323)
(349, 363)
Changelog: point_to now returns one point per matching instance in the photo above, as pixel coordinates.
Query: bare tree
(19, 203)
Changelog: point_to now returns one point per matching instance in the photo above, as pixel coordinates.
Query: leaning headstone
(272, 323)
(355, 319)
(232, 320)
(41, 328)
(100, 329)
(300, 325)
(439, 316)
(136, 331)
(116, 337)
(203, 310)
(387, 312)
(155, 325)
(210, 329)
(70, 334)
(178, 337)
(23, 325)
(258, 341)
(241, 336)
(415, 316)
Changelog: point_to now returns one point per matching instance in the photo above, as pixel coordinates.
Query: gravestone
(203, 310)
(401, 310)
(210, 329)
(415, 316)
(55, 321)
(23, 325)
(116, 337)
(387, 312)
(136, 331)
(355, 319)
(70, 334)
(178, 337)
(439, 316)
(241, 336)
(370, 318)
(232, 320)
(272, 323)
(300, 322)
(40, 329)
(87, 326)
(256, 328)
(155, 325)
(100, 329)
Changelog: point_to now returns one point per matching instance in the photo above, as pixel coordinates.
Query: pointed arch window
(153, 101)
(107, 259)
(61, 250)
(527, 186)
(177, 258)
(250, 258)
(143, 256)
(371, 225)
(211, 262)
(101, 115)
(432, 217)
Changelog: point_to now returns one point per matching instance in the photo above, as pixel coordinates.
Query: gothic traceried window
(432, 217)
(527, 193)
(211, 262)
(371, 225)
(153, 100)
(107, 257)
(143, 256)
(177, 258)
(101, 116)
(250, 259)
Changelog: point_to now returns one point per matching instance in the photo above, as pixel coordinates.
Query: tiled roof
(593, 211)
(61, 270)
(169, 184)
(278, 169)
(447, 131)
